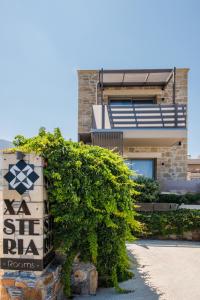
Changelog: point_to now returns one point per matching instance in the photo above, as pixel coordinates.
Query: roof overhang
(140, 77)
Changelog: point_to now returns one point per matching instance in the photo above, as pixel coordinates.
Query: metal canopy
(145, 77)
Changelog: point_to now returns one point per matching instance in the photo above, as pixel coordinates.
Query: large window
(144, 167)
(130, 101)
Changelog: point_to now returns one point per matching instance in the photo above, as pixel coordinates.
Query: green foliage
(148, 189)
(172, 222)
(173, 198)
(91, 195)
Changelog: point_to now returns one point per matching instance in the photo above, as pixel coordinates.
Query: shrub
(91, 196)
(148, 189)
(186, 198)
(173, 222)
(170, 198)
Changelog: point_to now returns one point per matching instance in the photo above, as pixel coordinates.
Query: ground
(164, 270)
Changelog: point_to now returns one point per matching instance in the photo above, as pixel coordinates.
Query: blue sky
(44, 42)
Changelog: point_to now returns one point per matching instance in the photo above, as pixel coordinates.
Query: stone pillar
(26, 237)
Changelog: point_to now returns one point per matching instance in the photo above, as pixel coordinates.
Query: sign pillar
(26, 227)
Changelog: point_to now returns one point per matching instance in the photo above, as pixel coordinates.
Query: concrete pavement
(164, 270)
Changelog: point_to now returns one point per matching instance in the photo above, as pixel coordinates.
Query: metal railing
(147, 116)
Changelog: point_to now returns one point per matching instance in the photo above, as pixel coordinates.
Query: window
(144, 167)
(120, 102)
(130, 101)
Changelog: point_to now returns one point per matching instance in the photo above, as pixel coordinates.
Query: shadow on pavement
(139, 285)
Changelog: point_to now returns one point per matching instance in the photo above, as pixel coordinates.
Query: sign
(26, 226)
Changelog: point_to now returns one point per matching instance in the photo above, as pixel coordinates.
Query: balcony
(142, 125)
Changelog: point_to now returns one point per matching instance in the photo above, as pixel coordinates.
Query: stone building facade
(167, 146)
(193, 170)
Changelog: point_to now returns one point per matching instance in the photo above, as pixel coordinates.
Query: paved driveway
(164, 270)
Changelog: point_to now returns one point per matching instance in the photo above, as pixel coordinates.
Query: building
(142, 114)
(193, 168)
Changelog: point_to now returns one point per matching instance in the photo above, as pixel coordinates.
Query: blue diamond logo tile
(21, 164)
(33, 176)
(21, 189)
(9, 176)
(18, 178)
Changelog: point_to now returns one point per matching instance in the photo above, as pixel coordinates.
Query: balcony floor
(155, 137)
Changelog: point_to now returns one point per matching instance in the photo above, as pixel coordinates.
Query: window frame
(154, 165)
(132, 99)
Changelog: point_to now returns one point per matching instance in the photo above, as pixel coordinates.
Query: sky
(44, 42)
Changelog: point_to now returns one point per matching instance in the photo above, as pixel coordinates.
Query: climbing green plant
(91, 198)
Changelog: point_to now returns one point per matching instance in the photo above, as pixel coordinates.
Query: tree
(91, 198)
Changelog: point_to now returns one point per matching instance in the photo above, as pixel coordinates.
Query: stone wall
(193, 169)
(170, 164)
(87, 94)
(31, 286)
(193, 235)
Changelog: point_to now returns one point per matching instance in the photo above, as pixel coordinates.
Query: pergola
(140, 77)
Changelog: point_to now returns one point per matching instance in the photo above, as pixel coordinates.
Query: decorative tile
(21, 177)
